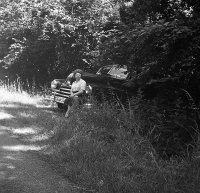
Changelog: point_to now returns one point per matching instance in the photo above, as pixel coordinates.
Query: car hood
(102, 78)
(104, 81)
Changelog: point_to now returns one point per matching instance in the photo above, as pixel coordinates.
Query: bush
(171, 126)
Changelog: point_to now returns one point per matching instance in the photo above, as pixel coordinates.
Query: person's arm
(69, 79)
(78, 93)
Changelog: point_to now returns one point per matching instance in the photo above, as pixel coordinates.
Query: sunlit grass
(21, 148)
(24, 131)
(25, 114)
(24, 93)
(4, 116)
(7, 96)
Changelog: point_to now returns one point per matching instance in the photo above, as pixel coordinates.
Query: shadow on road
(11, 160)
(21, 171)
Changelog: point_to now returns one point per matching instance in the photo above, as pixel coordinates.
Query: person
(77, 90)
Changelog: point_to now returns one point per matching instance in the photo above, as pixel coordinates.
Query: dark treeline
(159, 41)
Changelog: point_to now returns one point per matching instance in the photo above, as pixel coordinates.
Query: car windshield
(104, 70)
(119, 72)
(114, 71)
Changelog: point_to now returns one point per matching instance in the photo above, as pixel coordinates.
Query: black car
(107, 84)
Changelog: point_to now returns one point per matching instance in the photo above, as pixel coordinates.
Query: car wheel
(62, 106)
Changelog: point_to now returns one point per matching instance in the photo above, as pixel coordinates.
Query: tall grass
(19, 86)
(11, 93)
(101, 150)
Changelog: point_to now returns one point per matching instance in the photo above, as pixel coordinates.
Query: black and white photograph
(99, 96)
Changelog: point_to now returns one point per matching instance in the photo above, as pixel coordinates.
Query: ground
(21, 168)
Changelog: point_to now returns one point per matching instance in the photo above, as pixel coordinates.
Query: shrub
(171, 126)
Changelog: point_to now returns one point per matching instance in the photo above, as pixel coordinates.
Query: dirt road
(21, 169)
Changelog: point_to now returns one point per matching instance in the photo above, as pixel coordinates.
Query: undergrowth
(18, 86)
(102, 150)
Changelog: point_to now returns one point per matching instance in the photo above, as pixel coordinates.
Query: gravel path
(21, 170)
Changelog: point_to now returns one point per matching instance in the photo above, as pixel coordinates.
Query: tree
(51, 38)
(161, 48)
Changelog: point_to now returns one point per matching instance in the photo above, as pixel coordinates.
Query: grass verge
(100, 150)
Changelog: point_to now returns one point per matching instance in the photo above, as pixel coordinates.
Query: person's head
(78, 74)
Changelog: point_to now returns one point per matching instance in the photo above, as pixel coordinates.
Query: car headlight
(88, 89)
(54, 84)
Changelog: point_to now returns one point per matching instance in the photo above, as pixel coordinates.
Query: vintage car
(106, 84)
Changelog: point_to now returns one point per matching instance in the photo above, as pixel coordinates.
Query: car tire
(62, 106)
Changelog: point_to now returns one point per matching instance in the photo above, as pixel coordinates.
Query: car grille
(64, 91)
(59, 95)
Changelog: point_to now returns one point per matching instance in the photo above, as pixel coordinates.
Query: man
(77, 90)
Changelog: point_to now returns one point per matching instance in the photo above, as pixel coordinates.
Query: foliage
(171, 129)
(101, 150)
(159, 42)
(141, 11)
(51, 38)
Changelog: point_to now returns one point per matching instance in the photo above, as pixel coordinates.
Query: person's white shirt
(78, 85)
